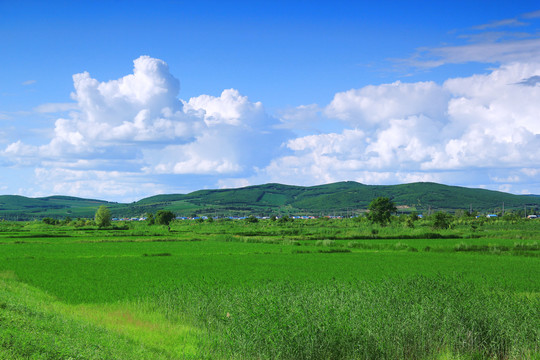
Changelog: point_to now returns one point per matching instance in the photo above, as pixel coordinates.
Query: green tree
(441, 220)
(252, 219)
(284, 219)
(150, 219)
(103, 216)
(164, 217)
(411, 219)
(380, 210)
(50, 221)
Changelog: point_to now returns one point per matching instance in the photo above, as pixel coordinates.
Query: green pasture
(307, 289)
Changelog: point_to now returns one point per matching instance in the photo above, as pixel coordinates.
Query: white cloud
(476, 128)
(498, 42)
(531, 15)
(55, 107)
(493, 120)
(89, 183)
(486, 52)
(500, 23)
(233, 183)
(235, 136)
(508, 179)
(481, 129)
(20, 153)
(372, 105)
(530, 172)
(230, 108)
(138, 122)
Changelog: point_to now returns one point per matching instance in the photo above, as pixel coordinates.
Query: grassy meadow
(303, 289)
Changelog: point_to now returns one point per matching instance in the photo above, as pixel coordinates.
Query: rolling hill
(343, 198)
(15, 207)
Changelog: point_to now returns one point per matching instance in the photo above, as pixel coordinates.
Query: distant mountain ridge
(346, 197)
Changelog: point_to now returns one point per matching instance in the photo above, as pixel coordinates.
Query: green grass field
(308, 289)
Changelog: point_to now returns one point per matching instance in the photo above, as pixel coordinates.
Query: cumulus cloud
(237, 136)
(140, 121)
(478, 129)
(230, 108)
(123, 137)
(372, 105)
(142, 106)
(139, 108)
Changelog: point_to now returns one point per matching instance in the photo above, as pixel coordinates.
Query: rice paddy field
(304, 289)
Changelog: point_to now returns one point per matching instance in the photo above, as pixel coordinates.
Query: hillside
(15, 207)
(343, 198)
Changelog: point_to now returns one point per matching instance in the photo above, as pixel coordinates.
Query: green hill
(338, 198)
(15, 207)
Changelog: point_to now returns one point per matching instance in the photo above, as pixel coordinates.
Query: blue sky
(122, 100)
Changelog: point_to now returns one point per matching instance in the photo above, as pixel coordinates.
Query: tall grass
(415, 318)
(34, 326)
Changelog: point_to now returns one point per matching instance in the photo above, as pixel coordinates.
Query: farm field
(304, 289)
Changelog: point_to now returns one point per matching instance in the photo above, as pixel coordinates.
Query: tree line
(381, 211)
